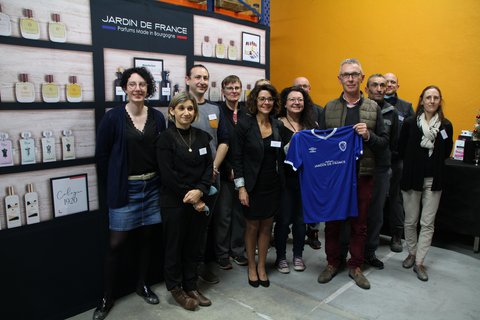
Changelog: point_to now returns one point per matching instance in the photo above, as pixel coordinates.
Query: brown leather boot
(183, 299)
(202, 300)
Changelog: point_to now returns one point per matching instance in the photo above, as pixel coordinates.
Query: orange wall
(422, 41)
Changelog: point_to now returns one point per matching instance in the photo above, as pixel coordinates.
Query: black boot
(103, 309)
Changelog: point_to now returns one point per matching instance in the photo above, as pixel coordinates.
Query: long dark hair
(307, 117)
(252, 99)
(421, 108)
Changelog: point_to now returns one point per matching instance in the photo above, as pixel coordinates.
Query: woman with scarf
(424, 143)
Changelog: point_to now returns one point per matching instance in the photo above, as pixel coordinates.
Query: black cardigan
(414, 156)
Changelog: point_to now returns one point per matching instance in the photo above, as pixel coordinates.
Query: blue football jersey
(326, 161)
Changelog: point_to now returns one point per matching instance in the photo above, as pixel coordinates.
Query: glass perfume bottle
(57, 31)
(214, 92)
(165, 87)
(5, 24)
(48, 146)
(206, 47)
(220, 49)
(247, 92)
(68, 145)
(176, 89)
(6, 150)
(24, 90)
(118, 93)
(32, 212)
(50, 90)
(232, 51)
(73, 90)
(29, 28)
(27, 148)
(12, 207)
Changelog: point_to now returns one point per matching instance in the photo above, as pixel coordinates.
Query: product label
(68, 147)
(166, 91)
(48, 149)
(6, 157)
(27, 151)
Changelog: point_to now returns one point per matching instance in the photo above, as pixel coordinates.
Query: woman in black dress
(257, 164)
(186, 167)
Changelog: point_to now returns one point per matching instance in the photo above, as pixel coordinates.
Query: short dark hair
(375, 75)
(252, 99)
(189, 71)
(307, 118)
(231, 79)
(142, 72)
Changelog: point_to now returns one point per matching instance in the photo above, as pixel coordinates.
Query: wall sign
(69, 195)
(250, 47)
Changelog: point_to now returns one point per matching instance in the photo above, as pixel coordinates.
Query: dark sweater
(181, 170)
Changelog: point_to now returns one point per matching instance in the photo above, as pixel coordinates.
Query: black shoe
(206, 275)
(103, 309)
(264, 283)
(224, 263)
(374, 262)
(254, 283)
(312, 240)
(148, 295)
(240, 260)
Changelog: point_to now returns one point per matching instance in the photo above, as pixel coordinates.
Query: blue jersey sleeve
(294, 157)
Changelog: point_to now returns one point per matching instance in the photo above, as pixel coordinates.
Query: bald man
(394, 206)
(312, 228)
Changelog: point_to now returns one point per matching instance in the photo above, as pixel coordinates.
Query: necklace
(295, 130)
(189, 144)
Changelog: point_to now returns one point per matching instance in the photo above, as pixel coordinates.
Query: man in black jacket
(394, 205)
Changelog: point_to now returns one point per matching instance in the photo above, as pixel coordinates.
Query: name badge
(275, 144)
(212, 116)
(444, 134)
(202, 151)
(400, 117)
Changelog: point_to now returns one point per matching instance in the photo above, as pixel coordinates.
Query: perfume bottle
(165, 87)
(48, 147)
(214, 92)
(68, 145)
(206, 47)
(6, 150)
(29, 27)
(5, 24)
(220, 49)
(57, 31)
(176, 89)
(24, 90)
(32, 212)
(50, 90)
(12, 207)
(73, 90)
(118, 93)
(232, 51)
(27, 148)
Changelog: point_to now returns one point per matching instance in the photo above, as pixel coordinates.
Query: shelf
(46, 165)
(46, 106)
(231, 62)
(44, 44)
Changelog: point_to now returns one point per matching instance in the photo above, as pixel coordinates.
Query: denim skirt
(143, 206)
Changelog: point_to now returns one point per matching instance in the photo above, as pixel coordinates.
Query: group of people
(228, 170)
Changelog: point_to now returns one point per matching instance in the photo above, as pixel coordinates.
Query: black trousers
(182, 236)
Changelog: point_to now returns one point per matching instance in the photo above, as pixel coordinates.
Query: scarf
(430, 130)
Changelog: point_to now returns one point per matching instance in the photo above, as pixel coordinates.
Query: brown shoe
(357, 275)
(409, 261)
(327, 274)
(421, 272)
(182, 299)
(202, 300)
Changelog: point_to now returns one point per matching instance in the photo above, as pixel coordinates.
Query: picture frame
(250, 47)
(69, 194)
(155, 66)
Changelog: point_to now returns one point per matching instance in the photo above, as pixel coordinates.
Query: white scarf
(430, 130)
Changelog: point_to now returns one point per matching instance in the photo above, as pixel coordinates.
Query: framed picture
(69, 194)
(250, 47)
(155, 66)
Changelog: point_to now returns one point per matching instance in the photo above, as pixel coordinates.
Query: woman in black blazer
(257, 158)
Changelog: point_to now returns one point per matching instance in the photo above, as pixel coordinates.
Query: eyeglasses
(263, 99)
(233, 88)
(133, 85)
(354, 75)
(299, 100)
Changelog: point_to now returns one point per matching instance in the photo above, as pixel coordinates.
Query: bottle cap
(47, 133)
(219, 40)
(232, 43)
(49, 78)
(3, 136)
(23, 77)
(28, 13)
(10, 191)
(56, 17)
(72, 79)
(67, 132)
(214, 84)
(30, 187)
(26, 135)
(206, 38)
